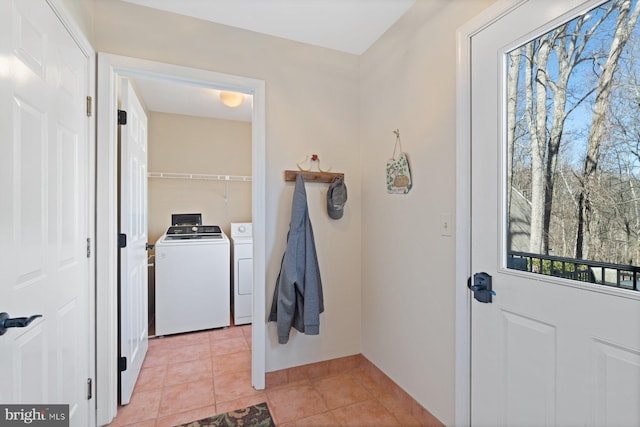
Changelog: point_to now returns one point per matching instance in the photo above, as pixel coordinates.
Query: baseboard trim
(343, 364)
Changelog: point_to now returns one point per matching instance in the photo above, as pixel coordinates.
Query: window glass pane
(573, 172)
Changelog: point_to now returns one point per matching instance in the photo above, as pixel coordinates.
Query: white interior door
(44, 265)
(133, 224)
(546, 351)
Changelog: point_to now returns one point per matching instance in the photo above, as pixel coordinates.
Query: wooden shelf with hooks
(325, 177)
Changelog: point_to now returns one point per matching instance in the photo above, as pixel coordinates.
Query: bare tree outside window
(573, 143)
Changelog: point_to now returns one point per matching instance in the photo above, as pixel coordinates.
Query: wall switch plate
(446, 225)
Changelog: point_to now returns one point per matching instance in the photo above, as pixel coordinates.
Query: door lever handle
(481, 287)
(19, 322)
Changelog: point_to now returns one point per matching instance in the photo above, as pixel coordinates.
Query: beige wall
(312, 107)
(387, 271)
(186, 144)
(407, 81)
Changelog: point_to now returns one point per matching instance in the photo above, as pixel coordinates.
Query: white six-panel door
(133, 223)
(546, 352)
(44, 267)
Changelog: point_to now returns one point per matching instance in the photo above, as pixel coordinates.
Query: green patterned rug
(252, 416)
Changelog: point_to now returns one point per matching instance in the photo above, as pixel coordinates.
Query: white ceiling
(345, 25)
(176, 98)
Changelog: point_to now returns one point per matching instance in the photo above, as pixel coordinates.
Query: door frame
(463, 298)
(110, 67)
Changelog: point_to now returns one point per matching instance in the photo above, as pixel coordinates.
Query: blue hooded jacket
(297, 299)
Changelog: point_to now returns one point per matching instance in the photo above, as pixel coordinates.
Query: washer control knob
(194, 229)
(242, 229)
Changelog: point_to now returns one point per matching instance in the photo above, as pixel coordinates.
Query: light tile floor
(192, 376)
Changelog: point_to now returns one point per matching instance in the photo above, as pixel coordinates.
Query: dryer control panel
(241, 230)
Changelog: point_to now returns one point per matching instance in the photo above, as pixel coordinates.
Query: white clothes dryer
(242, 271)
(192, 279)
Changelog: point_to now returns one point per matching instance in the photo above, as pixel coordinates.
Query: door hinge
(122, 117)
(89, 106)
(122, 240)
(122, 364)
(89, 388)
(88, 247)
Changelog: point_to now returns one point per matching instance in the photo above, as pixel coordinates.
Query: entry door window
(573, 155)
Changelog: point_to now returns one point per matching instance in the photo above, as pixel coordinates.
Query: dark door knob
(481, 287)
(19, 322)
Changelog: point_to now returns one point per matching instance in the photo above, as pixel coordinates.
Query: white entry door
(44, 211)
(546, 351)
(133, 224)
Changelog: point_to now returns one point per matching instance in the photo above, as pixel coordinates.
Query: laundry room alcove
(196, 165)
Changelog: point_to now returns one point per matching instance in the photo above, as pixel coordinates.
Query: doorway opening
(199, 165)
(112, 68)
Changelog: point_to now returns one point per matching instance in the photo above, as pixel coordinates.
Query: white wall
(407, 81)
(312, 107)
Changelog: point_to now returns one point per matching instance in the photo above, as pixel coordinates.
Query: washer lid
(186, 219)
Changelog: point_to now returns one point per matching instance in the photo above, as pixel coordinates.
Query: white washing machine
(242, 246)
(192, 279)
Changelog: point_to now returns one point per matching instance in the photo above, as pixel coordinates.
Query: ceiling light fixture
(231, 99)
